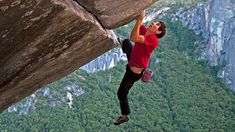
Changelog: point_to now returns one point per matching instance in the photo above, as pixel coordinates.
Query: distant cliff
(215, 21)
(106, 61)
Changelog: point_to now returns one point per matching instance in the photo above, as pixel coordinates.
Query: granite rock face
(107, 61)
(115, 13)
(43, 40)
(215, 21)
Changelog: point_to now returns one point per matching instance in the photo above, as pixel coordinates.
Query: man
(146, 40)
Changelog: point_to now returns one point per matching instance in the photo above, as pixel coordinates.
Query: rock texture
(215, 20)
(43, 40)
(115, 13)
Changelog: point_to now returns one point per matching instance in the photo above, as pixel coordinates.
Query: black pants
(128, 80)
(127, 48)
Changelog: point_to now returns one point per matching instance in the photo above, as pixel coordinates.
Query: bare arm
(135, 36)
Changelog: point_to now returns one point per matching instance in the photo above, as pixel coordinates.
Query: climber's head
(158, 28)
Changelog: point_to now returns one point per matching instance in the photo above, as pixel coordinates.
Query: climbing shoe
(121, 120)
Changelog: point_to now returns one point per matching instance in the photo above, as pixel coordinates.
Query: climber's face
(154, 28)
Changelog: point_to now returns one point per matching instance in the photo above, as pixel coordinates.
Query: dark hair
(161, 28)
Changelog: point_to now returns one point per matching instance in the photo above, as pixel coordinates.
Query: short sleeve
(151, 40)
(142, 29)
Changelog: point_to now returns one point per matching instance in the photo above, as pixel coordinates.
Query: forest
(184, 95)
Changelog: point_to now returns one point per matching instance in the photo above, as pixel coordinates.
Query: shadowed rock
(115, 13)
(43, 40)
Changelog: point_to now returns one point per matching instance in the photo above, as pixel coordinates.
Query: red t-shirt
(141, 53)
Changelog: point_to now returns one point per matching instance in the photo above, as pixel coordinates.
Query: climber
(146, 40)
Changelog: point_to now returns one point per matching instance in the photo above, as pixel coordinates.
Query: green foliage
(184, 95)
(179, 3)
(180, 38)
